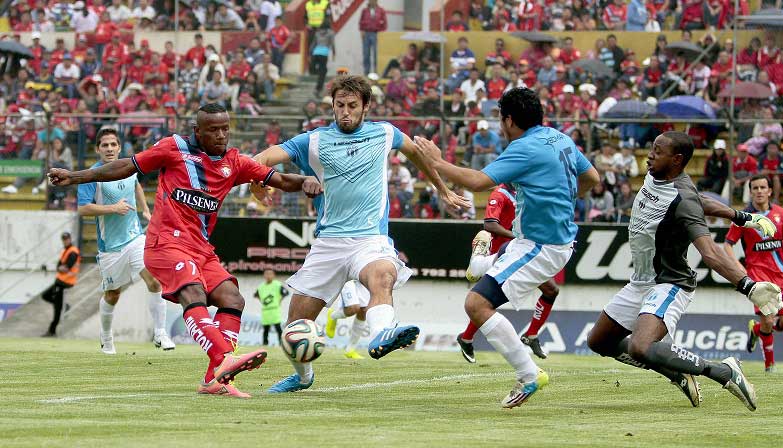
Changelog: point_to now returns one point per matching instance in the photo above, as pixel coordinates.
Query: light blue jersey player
(120, 242)
(350, 159)
(548, 172)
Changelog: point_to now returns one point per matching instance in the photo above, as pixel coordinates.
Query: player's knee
(381, 281)
(638, 349)
(111, 297)
(595, 344)
(362, 313)
(351, 310)
(475, 306)
(549, 292)
(233, 300)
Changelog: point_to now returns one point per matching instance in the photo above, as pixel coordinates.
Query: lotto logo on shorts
(181, 265)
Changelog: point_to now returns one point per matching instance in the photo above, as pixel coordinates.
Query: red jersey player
(196, 174)
(763, 261)
(491, 243)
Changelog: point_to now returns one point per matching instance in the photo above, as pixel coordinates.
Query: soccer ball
(302, 341)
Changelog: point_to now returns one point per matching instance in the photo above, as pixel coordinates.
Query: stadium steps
(33, 318)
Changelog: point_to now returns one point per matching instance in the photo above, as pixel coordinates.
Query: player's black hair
(523, 106)
(681, 144)
(104, 132)
(212, 108)
(759, 177)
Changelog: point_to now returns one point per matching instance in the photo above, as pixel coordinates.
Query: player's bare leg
(207, 333)
(106, 313)
(608, 338)
(763, 331)
(386, 335)
(301, 307)
(157, 306)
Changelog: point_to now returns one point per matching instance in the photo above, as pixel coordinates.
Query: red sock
(205, 332)
(767, 345)
(228, 321)
(469, 332)
(540, 315)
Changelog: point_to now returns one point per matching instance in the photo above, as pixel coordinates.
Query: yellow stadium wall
(482, 42)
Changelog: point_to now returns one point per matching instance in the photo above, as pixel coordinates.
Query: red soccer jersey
(191, 189)
(501, 208)
(763, 256)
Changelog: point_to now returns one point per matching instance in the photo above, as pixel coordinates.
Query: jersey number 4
(570, 171)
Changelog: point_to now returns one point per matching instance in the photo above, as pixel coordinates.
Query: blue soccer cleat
(392, 338)
(523, 391)
(290, 384)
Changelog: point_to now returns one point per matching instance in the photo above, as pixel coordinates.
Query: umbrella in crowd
(686, 106)
(747, 90)
(15, 48)
(631, 109)
(686, 47)
(594, 66)
(770, 18)
(424, 36)
(535, 37)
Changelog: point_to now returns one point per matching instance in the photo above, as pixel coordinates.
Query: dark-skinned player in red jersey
(196, 174)
(489, 244)
(763, 261)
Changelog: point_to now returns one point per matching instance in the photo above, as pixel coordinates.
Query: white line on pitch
(105, 397)
(463, 376)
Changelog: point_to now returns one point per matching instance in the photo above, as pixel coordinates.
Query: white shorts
(354, 293)
(333, 261)
(122, 267)
(664, 300)
(525, 265)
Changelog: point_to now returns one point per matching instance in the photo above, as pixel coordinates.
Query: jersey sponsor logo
(493, 202)
(767, 245)
(197, 200)
(649, 195)
(192, 158)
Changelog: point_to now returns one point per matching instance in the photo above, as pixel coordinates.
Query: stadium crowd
(105, 73)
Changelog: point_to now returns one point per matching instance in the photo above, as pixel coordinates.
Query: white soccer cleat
(10, 189)
(107, 344)
(481, 244)
(162, 340)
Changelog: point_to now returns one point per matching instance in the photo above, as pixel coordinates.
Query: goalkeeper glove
(765, 295)
(755, 221)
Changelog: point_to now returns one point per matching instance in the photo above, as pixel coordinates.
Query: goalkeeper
(637, 326)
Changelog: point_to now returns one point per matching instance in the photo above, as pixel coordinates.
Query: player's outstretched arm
(765, 295)
(411, 151)
(738, 217)
(120, 208)
(141, 202)
(430, 155)
(118, 169)
(269, 157)
(586, 181)
(294, 182)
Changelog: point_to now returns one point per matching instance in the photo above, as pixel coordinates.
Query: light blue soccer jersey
(114, 231)
(352, 169)
(543, 165)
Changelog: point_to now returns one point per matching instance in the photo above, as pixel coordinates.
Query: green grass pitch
(62, 393)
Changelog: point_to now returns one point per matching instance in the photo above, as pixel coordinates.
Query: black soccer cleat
(534, 344)
(467, 349)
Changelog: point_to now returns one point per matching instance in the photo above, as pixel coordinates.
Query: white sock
(480, 264)
(106, 312)
(500, 333)
(158, 312)
(380, 317)
(304, 370)
(357, 330)
(338, 313)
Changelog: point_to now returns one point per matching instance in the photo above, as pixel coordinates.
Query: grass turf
(66, 393)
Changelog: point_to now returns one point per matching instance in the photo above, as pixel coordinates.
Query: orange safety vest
(69, 278)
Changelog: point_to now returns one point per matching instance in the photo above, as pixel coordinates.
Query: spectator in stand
(371, 22)
(568, 53)
(270, 10)
(396, 208)
(197, 53)
(604, 162)
(624, 202)
(615, 15)
(457, 23)
(652, 80)
(426, 206)
(637, 15)
(118, 12)
(526, 74)
(279, 39)
(470, 86)
(320, 47)
(504, 25)
(547, 74)
(215, 91)
(144, 10)
(769, 52)
(744, 166)
(401, 176)
(498, 56)
(625, 165)
(462, 213)
(115, 49)
(66, 76)
(268, 75)
(618, 54)
(691, 16)
(429, 55)
(529, 15)
(630, 67)
(698, 78)
(497, 84)
(226, 19)
(462, 57)
(486, 146)
(409, 62)
(41, 22)
(397, 87)
(25, 150)
(772, 167)
(716, 169)
(207, 72)
(84, 19)
(188, 78)
(600, 204)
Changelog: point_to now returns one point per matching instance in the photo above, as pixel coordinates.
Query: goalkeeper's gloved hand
(764, 295)
(755, 221)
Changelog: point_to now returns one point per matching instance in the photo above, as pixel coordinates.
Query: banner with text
(21, 168)
(433, 249)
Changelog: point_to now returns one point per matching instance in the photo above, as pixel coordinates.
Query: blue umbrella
(686, 106)
(630, 109)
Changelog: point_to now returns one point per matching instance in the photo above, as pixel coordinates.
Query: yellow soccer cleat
(352, 354)
(331, 324)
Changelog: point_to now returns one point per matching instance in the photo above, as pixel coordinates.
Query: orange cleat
(215, 388)
(232, 365)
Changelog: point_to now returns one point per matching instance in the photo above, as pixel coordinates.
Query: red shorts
(176, 268)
